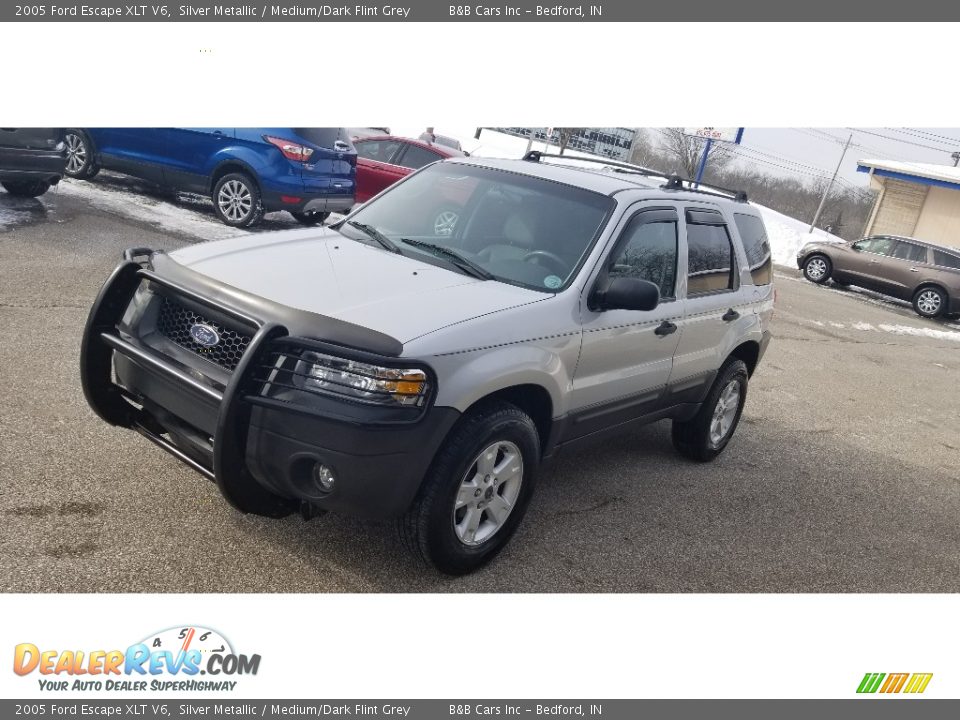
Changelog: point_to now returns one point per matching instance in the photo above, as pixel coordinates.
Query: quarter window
(649, 253)
(946, 260)
(756, 246)
(877, 245)
(709, 257)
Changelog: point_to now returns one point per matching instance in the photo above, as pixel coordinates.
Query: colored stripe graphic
(918, 683)
(894, 682)
(870, 682)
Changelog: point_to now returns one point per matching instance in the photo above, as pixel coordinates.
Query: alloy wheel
(76, 153)
(929, 302)
(724, 413)
(488, 493)
(816, 268)
(235, 200)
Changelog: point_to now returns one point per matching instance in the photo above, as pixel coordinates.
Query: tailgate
(31, 138)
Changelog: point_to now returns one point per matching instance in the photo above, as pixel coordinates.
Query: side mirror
(627, 294)
(856, 247)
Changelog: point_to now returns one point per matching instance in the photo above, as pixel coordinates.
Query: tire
(930, 301)
(696, 439)
(26, 188)
(445, 221)
(80, 157)
(817, 269)
(236, 200)
(435, 529)
(310, 218)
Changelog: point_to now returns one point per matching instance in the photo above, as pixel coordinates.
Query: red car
(384, 159)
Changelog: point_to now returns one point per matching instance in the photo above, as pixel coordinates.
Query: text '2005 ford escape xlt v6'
(380, 369)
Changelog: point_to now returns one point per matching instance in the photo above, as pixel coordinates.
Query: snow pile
(788, 235)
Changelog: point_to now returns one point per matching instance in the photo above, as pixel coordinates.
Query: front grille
(175, 321)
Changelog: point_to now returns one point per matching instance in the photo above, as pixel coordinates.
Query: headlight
(355, 380)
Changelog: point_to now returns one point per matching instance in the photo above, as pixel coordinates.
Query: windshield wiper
(373, 233)
(464, 263)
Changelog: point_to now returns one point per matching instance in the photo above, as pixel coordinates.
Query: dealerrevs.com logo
(180, 659)
(893, 683)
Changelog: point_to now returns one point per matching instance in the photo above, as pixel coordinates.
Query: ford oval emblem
(204, 335)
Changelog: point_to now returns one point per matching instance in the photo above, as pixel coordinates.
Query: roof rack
(674, 182)
(536, 156)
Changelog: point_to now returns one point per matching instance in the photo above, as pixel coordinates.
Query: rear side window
(709, 255)
(416, 157)
(379, 150)
(756, 246)
(910, 252)
(946, 260)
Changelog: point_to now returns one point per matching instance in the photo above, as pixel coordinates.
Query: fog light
(323, 476)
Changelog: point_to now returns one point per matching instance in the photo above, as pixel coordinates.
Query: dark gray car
(927, 275)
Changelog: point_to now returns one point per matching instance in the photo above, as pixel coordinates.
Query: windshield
(518, 229)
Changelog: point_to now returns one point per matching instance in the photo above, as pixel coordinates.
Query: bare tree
(644, 152)
(566, 135)
(686, 150)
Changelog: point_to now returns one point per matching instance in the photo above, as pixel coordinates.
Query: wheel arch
(533, 399)
(227, 166)
(749, 352)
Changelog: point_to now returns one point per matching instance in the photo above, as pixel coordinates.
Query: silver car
(378, 368)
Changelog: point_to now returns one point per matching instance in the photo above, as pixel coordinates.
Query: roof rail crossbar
(536, 156)
(676, 183)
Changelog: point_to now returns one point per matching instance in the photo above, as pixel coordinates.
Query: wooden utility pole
(826, 193)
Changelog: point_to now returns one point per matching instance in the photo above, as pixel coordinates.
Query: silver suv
(382, 368)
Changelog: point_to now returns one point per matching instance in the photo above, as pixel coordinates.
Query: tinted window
(379, 150)
(756, 246)
(946, 259)
(324, 137)
(416, 157)
(709, 259)
(909, 251)
(650, 253)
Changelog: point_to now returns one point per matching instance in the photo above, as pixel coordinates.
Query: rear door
(901, 271)
(714, 305)
(376, 166)
(187, 153)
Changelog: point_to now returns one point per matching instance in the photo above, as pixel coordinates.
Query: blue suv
(246, 172)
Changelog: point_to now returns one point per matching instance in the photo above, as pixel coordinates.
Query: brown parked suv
(927, 275)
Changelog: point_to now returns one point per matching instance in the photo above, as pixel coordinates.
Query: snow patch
(921, 332)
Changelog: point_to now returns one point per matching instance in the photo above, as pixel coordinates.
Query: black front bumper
(23, 164)
(260, 452)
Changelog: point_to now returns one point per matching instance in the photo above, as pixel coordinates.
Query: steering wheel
(558, 262)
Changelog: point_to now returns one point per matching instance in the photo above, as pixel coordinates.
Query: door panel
(715, 305)
(139, 152)
(187, 155)
(375, 168)
(627, 355)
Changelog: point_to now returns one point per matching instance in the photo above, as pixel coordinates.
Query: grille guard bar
(108, 400)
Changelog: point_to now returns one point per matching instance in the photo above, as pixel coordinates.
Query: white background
(531, 74)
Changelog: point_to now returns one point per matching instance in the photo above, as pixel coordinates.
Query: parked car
(447, 141)
(247, 172)
(31, 159)
(384, 159)
(383, 369)
(902, 267)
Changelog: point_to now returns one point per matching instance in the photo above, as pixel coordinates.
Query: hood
(321, 271)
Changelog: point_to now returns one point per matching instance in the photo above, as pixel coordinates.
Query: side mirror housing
(627, 294)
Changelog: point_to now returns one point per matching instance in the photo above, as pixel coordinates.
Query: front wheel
(236, 200)
(476, 491)
(310, 217)
(930, 302)
(26, 188)
(707, 434)
(817, 269)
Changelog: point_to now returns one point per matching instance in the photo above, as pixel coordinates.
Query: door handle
(730, 315)
(914, 270)
(665, 328)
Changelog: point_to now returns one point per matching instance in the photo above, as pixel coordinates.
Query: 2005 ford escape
(380, 369)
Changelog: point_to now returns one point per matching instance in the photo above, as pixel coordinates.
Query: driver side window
(648, 251)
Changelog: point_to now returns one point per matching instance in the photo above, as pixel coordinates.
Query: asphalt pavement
(844, 475)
